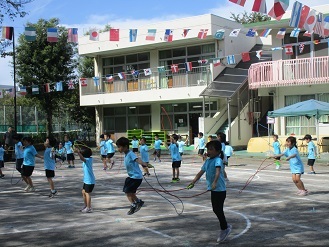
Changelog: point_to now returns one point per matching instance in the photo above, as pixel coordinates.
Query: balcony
(286, 73)
(156, 81)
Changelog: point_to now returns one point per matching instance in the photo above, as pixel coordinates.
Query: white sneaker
(87, 210)
(27, 187)
(277, 167)
(31, 189)
(224, 234)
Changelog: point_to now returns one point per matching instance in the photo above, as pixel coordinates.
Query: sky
(86, 14)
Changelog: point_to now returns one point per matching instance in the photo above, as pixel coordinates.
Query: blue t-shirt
(49, 159)
(228, 150)
(19, 152)
(103, 150)
(157, 144)
(109, 146)
(181, 145)
(88, 173)
(132, 166)
(134, 143)
(311, 148)
(174, 153)
(61, 151)
(2, 153)
(144, 151)
(201, 143)
(68, 147)
(276, 148)
(209, 167)
(29, 155)
(296, 164)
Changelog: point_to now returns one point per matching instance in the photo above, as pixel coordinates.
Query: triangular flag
(168, 36)
(132, 35)
(52, 35)
(260, 6)
(230, 59)
(151, 34)
(35, 89)
(70, 85)
(202, 33)
(59, 86)
(114, 34)
(265, 33)
(47, 88)
(294, 33)
(259, 54)
(72, 35)
(279, 8)
(96, 81)
(147, 72)
(245, 56)
(30, 34)
(174, 68)
(93, 34)
(83, 82)
(185, 32)
(281, 33)
(7, 33)
(289, 50)
(219, 35)
(235, 32)
(161, 69)
(22, 90)
(239, 2)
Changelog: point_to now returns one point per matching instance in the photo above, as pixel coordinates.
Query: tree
(246, 18)
(41, 62)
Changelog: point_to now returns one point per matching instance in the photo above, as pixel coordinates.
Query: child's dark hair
(217, 146)
(222, 136)
(28, 139)
(175, 137)
(144, 139)
(292, 140)
(276, 136)
(108, 134)
(200, 134)
(227, 143)
(17, 137)
(156, 135)
(52, 141)
(123, 142)
(134, 137)
(86, 152)
(101, 136)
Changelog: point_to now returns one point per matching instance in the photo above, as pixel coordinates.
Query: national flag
(147, 72)
(295, 14)
(265, 32)
(308, 34)
(281, 33)
(203, 61)
(260, 6)
(72, 35)
(47, 87)
(279, 8)
(185, 32)
(151, 34)
(52, 35)
(239, 2)
(59, 86)
(188, 66)
(230, 59)
(235, 32)
(294, 33)
(310, 21)
(22, 90)
(93, 34)
(174, 68)
(316, 42)
(276, 48)
(35, 89)
(132, 35)
(135, 73)
(303, 16)
(114, 34)
(245, 56)
(30, 34)
(96, 81)
(9, 92)
(70, 85)
(326, 26)
(259, 54)
(202, 33)
(122, 75)
(161, 69)
(7, 33)
(168, 35)
(251, 32)
(109, 78)
(219, 34)
(319, 26)
(301, 48)
(216, 62)
(83, 82)
(289, 50)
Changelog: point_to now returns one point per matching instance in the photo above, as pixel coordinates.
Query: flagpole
(14, 62)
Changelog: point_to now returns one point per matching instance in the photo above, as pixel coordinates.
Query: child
(181, 145)
(176, 158)
(228, 151)
(134, 144)
(88, 177)
(69, 151)
(222, 139)
(110, 149)
(144, 151)
(201, 144)
(103, 151)
(19, 152)
(29, 162)
(135, 176)
(296, 164)
(277, 151)
(2, 163)
(60, 153)
(214, 167)
(157, 148)
(49, 162)
(311, 153)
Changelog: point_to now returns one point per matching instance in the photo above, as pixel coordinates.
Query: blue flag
(96, 81)
(230, 59)
(132, 35)
(251, 32)
(59, 86)
(220, 34)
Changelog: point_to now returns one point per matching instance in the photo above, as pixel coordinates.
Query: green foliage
(86, 67)
(245, 17)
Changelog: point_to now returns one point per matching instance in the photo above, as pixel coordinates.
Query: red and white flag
(70, 85)
(72, 35)
(310, 21)
(259, 54)
(245, 56)
(203, 33)
(93, 34)
(174, 68)
(308, 34)
(151, 34)
(114, 34)
(301, 48)
(216, 62)
(83, 82)
(278, 9)
(185, 32)
(47, 88)
(239, 2)
(260, 6)
(289, 50)
(303, 16)
(188, 66)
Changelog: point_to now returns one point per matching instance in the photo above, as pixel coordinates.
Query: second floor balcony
(286, 73)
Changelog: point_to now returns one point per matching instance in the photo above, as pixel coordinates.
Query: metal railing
(294, 72)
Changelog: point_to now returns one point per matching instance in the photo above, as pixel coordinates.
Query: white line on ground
(159, 233)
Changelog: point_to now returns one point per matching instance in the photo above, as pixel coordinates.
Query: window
(179, 52)
(165, 54)
(132, 58)
(193, 50)
(119, 60)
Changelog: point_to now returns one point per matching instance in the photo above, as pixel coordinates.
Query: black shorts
(176, 164)
(131, 185)
(109, 155)
(61, 157)
(50, 173)
(201, 151)
(157, 152)
(70, 156)
(88, 188)
(2, 164)
(310, 162)
(135, 150)
(103, 156)
(27, 170)
(228, 157)
(277, 158)
(19, 164)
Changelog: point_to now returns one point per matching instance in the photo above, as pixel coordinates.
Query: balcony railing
(196, 77)
(294, 72)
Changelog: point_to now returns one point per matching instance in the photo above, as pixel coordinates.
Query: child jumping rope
(276, 151)
(19, 152)
(311, 150)
(176, 158)
(157, 148)
(50, 164)
(69, 151)
(144, 151)
(103, 151)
